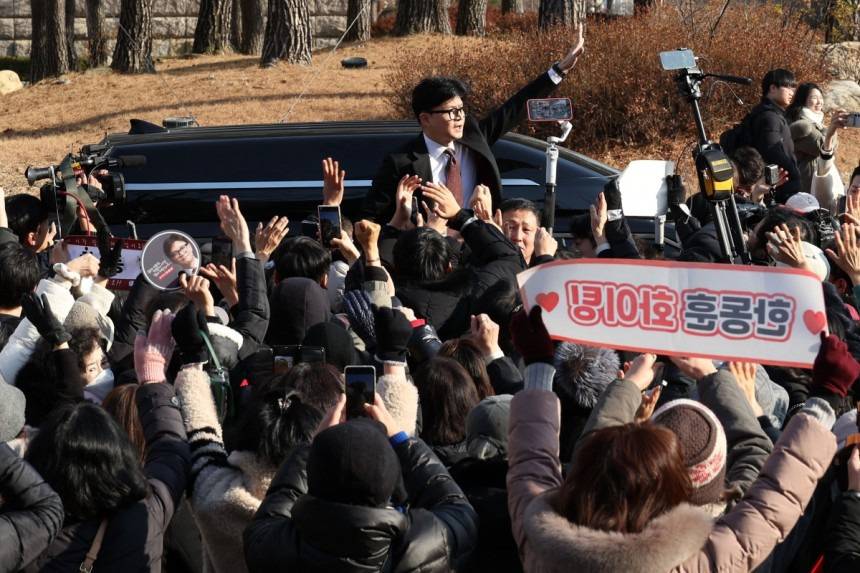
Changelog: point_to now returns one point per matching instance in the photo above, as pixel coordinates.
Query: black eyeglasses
(454, 113)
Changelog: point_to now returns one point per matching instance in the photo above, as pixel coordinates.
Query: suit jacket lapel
(421, 159)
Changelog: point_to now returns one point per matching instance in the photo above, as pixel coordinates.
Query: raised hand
(485, 333)
(545, 243)
(744, 373)
(446, 204)
(110, 258)
(403, 201)
(566, 64)
(267, 239)
(695, 368)
(847, 255)
(333, 178)
(224, 279)
(233, 223)
(346, 247)
(38, 311)
(786, 246)
(599, 217)
(367, 235)
(197, 290)
(152, 352)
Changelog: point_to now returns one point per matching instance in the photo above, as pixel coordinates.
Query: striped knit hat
(703, 445)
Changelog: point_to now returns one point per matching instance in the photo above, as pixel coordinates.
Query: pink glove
(153, 352)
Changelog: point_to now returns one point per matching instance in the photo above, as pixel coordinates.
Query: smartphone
(414, 215)
(329, 224)
(550, 109)
(771, 174)
(360, 389)
(853, 119)
(285, 357)
(222, 251)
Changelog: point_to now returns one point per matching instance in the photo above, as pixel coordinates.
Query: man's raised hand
(267, 238)
(446, 204)
(568, 61)
(333, 178)
(233, 224)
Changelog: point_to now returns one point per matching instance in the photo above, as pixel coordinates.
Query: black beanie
(353, 463)
(339, 348)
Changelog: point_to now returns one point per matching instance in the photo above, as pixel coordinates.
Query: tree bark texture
(97, 49)
(71, 53)
(236, 25)
(472, 18)
(563, 12)
(512, 6)
(48, 52)
(288, 32)
(212, 34)
(358, 10)
(253, 12)
(133, 52)
(422, 16)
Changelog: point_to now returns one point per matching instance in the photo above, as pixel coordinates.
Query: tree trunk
(71, 53)
(48, 55)
(472, 18)
(288, 33)
(515, 6)
(561, 12)
(133, 52)
(212, 34)
(97, 49)
(252, 26)
(358, 10)
(422, 16)
(236, 25)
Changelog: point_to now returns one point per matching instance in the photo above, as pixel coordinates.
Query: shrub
(621, 97)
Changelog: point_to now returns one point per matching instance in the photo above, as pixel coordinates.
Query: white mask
(97, 390)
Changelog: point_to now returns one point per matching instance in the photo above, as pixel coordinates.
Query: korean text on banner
(727, 312)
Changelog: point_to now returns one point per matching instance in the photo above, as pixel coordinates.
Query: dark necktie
(452, 175)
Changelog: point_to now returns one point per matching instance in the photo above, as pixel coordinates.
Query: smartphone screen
(329, 224)
(285, 357)
(360, 389)
(222, 251)
(550, 109)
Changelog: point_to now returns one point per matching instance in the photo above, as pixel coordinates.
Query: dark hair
(319, 385)
(519, 204)
(19, 273)
(780, 78)
(303, 257)
(748, 164)
(466, 352)
(88, 459)
(171, 239)
(783, 215)
(25, 213)
(422, 254)
(623, 477)
(274, 422)
(430, 92)
(121, 404)
(447, 394)
(798, 102)
(84, 341)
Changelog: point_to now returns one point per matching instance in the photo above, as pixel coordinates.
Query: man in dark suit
(453, 148)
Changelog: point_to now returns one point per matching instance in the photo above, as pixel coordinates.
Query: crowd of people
(211, 428)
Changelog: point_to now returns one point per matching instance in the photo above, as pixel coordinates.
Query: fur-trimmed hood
(557, 545)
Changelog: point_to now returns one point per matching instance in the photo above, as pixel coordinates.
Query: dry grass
(40, 124)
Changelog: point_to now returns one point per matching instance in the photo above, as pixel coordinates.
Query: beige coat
(685, 539)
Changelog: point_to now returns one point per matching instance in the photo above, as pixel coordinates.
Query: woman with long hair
(112, 501)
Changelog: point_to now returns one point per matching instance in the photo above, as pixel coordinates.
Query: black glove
(110, 259)
(38, 311)
(677, 191)
(186, 329)
(393, 332)
(424, 343)
(612, 194)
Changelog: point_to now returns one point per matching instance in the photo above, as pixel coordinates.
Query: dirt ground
(40, 124)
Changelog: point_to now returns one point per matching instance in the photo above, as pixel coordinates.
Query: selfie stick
(551, 169)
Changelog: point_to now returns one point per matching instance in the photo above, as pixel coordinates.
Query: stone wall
(173, 25)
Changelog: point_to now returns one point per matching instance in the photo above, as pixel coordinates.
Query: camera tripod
(714, 170)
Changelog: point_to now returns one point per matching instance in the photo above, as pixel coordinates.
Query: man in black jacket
(769, 129)
(454, 148)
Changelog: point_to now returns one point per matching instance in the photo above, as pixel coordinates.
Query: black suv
(276, 169)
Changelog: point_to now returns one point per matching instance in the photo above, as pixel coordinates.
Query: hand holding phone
(330, 225)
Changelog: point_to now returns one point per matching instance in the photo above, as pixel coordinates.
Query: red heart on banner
(547, 300)
(815, 321)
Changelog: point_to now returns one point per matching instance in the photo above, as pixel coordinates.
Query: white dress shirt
(439, 164)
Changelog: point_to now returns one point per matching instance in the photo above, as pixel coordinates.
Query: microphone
(127, 161)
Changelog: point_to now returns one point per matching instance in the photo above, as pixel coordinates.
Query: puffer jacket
(226, 490)
(134, 538)
(32, 513)
(684, 539)
(294, 531)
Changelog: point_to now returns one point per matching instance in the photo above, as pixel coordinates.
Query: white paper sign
(728, 312)
(131, 249)
(643, 187)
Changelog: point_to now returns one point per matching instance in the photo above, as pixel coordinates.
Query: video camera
(65, 194)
